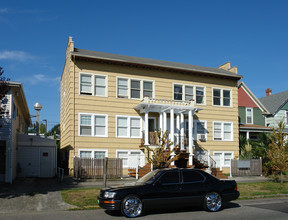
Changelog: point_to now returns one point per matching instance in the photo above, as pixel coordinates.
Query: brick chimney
(268, 92)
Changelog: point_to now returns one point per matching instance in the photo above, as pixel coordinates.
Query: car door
(165, 191)
(193, 187)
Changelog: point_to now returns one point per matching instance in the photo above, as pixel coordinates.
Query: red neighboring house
(251, 113)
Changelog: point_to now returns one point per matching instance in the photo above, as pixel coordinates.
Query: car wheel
(131, 206)
(212, 202)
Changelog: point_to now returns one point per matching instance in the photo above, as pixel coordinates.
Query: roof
(253, 127)
(253, 97)
(109, 57)
(274, 102)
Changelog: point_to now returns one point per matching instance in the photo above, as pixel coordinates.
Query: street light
(37, 107)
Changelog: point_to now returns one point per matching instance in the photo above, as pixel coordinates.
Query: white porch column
(190, 130)
(146, 130)
(182, 125)
(161, 124)
(247, 135)
(164, 122)
(178, 129)
(172, 126)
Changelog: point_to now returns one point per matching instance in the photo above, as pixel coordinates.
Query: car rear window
(192, 176)
(170, 177)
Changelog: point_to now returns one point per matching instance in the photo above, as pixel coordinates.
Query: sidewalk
(35, 194)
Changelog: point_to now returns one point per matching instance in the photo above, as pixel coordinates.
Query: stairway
(141, 171)
(218, 173)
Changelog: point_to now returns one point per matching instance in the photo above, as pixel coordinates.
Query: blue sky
(252, 35)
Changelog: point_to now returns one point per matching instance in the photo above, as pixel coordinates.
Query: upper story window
(221, 97)
(188, 92)
(93, 125)
(93, 84)
(128, 126)
(249, 115)
(223, 131)
(134, 88)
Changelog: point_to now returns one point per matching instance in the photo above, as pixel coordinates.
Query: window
(125, 155)
(287, 118)
(134, 88)
(128, 126)
(93, 154)
(221, 97)
(93, 84)
(85, 125)
(178, 92)
(223, 159)
(170, 178)
(192, 176)
(100, 86)
(147, 89)
(85, 84)
(249, 115)
(186, 93)
(222, 131)
(99, 122)
(200, 129)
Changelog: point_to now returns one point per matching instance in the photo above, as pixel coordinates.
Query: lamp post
(37, 107)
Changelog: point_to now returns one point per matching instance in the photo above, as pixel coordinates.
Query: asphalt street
(276, 208)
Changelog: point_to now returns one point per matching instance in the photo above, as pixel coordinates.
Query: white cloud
(40, 78)
(3, 10)
(15, 55)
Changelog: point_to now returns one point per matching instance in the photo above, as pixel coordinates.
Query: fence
(246, 167)
(95, 168)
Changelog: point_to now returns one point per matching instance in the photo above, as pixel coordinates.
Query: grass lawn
(252, 190)
(86, 198)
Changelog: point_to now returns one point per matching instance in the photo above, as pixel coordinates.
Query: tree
(42, 128)
(278, 150)
(4, 87)
(55, 129)
(163, 155)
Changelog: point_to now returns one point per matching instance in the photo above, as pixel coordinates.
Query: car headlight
(109, 195)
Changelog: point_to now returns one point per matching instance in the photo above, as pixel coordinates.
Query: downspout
(74, 104)
(11, 138)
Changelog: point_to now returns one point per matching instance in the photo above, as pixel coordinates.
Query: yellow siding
(112, 106)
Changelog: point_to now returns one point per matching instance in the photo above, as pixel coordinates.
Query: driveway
(33, 194)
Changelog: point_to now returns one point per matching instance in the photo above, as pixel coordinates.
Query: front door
(2, 160)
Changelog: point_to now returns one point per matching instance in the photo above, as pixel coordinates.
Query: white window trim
(129, 126)
(141, 87)
(194, 92)
(93, 83)
(128, 153)
(92, 151)
(222, 130)
(195, 129)
(221, 97)
(252, 119)
(222, 161)
(93, 124)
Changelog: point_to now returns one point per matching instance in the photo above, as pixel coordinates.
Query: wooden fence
(246, 167)
(86, 168)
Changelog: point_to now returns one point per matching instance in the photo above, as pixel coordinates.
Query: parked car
(169, 188)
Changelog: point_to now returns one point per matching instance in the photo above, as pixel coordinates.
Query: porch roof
(162, 105)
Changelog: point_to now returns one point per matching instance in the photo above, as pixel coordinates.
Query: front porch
(173, 116)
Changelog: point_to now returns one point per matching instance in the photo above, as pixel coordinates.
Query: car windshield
(148, 178)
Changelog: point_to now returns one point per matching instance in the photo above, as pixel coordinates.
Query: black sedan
(169, 188)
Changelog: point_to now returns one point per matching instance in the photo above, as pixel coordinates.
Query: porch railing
(154, 140)
(149, 100)
(204, 157)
